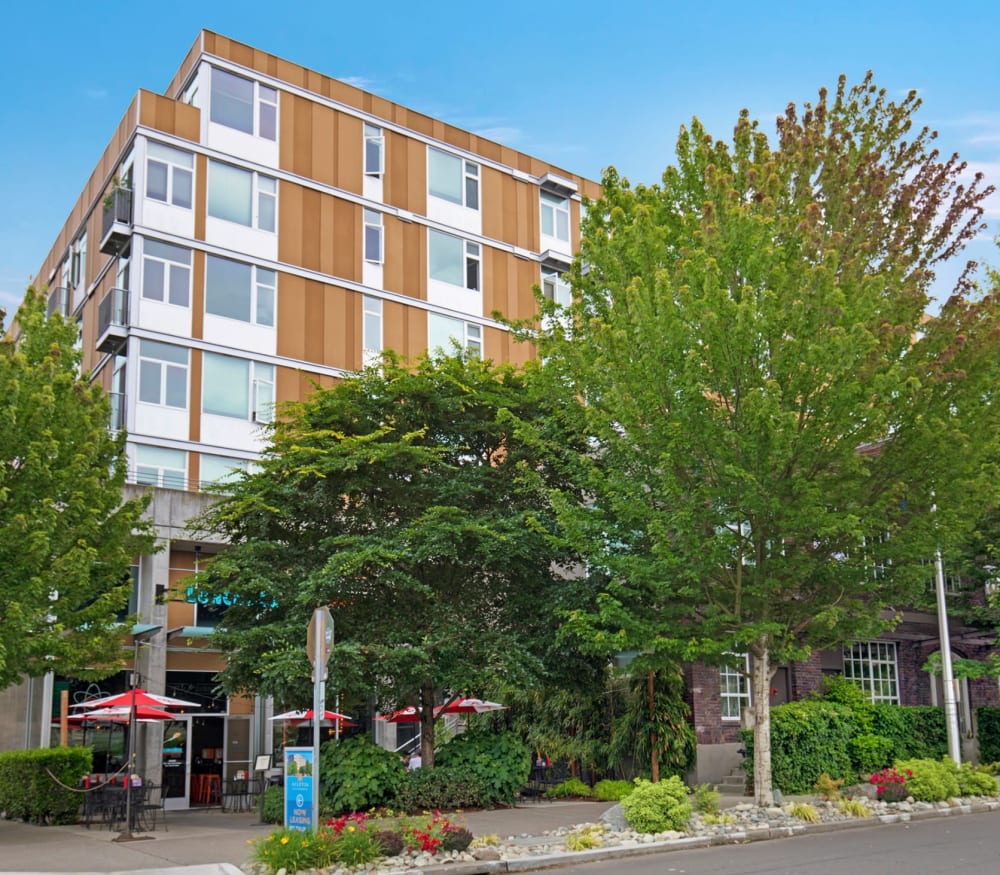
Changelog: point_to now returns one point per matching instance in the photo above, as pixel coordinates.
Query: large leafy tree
(772, 418)
(67, 538)
(405, 500)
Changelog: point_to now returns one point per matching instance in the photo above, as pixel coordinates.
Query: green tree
(66, 536)
(771, 418)
(401, 499)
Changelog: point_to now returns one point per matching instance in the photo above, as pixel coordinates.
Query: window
(452, 178)
(443, 332)
(374, 151)
(242, 196)
(157, 466)
(555, 288)
(373, 236)
(238, 388)
(233, 99)
(952, 582)
(166, 273)
(132, 608)
(163, 373)
(874, 547)
(217, 471)
(239, 291)
(734, 688)
(872, 665)
(169, 175)
(78, 268)
(453, 260)
(371, 330)
(555, 216)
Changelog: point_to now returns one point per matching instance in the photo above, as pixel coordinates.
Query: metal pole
(319, 705)
(947, 672)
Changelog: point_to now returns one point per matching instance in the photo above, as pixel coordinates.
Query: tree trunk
(427, 725)
(653, 752)
(760, 673)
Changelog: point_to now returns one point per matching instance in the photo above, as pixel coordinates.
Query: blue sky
(582, 84)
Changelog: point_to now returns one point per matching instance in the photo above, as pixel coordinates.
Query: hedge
(31, 783)
(988, 719)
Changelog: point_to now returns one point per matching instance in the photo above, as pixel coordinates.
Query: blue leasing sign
(300, 784)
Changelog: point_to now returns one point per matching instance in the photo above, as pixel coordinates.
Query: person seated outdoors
(416, 761)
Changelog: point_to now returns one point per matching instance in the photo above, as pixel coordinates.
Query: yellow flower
(284, 840)
(350, 829)
(305, 844)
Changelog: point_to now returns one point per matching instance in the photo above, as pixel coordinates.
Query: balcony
(116, 225)
(112, 320)
(59, 299)
(117, 422)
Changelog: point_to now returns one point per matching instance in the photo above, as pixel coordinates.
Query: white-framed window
(873, 666)
(166, 273)
(952, 582)
(233, 101)
(163, 374)
(373, 236)
(453, 260)
(371, 331)
(242, 196)
(374, 150)
(452, 178)
(874, 547)
(218, 471)
(169, 175)
(555, 216)
(240, 291)
(734, 688)
(78, 261)
(239, 388)
(555, 288)
(443, 332)
(158, 466)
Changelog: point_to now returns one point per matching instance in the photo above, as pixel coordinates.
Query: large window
(872, 665)
(156, 466)
(169, 175)
(163, 374)
(453, 260)
(239, 388)
(443, 332)
(242, 196)
(452, 178)
(233, 101)
(373, 236)
(555, 288)
(374, 151)
(218, 471)
(239, 291)
(78, 266)
(555, 216)
(166, 273)
(371, 329)
(734, 688)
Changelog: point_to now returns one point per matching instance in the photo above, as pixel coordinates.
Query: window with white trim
(374, 150)
(218, 471)
(78, 267)
(555, 288)
(373, 236)
(872, 665)
(371, 331)
(555, 216)
(239, 388)
(734, 688)
(158, 466)
(453, 260)
(452, 178)
(169, 175)
(166, 273)
(952, 582)
(163, 374)
(235, 290)
(443, 332)
(242, 196)
(233, 101)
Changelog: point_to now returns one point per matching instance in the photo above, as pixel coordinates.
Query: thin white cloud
(362, 82)
(985, 139)
(500, 134)
(96, 93)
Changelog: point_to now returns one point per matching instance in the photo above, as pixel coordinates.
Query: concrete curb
(567, 858)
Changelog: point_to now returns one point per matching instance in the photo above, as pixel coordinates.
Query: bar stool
(199, 789)
(213, 789)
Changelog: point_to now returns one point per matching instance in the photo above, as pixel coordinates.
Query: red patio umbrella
(136, 697)
(303, 716)
(408, 714)
(468, 706)
(122, 715)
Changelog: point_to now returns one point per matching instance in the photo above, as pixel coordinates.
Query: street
(928, 847)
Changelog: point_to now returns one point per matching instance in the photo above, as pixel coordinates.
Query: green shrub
(706, 799)
(916, 731)
(293, 850)
(456, 839)
(808, 738)
(611, 791)
(356, 775)
(976, 781)
(869, 753)
(931, 780)
(657, 807)
(498, 763)
(569, 787)
(273, 807)
(804, 811)
(31, 783)
(440, 788)
(356, 845)
(838, 689)
(988, 720)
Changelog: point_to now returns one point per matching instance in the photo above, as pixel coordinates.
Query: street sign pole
(319, 642)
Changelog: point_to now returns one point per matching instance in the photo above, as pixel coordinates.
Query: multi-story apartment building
(256, 229)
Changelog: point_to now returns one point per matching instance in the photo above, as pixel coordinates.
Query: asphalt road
(969, 844)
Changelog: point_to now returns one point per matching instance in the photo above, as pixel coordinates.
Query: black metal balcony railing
(116, 223)
(118, 408)
(112, 320)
